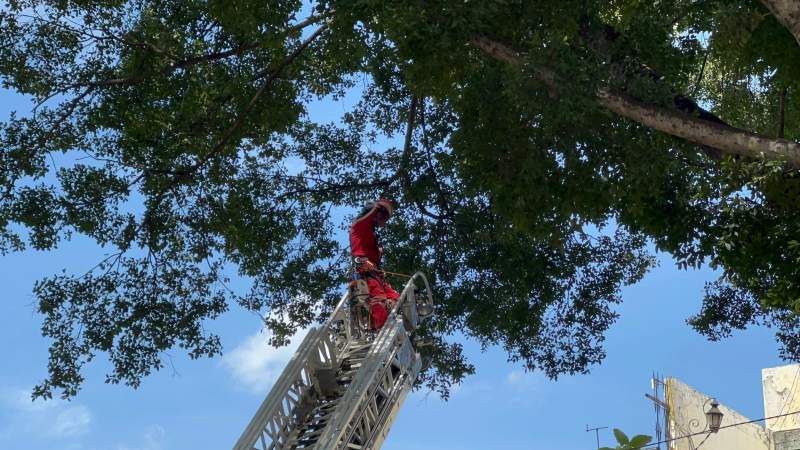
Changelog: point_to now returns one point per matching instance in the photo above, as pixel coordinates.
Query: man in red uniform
(367, 252)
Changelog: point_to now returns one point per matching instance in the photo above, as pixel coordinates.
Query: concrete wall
(687, 416)
(780, 386)
(786, 440)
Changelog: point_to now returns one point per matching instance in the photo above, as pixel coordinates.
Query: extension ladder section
(344, 385)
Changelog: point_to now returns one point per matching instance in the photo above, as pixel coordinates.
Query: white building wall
(781, 386)
(686, 416)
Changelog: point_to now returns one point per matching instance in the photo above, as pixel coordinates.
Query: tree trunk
(788, 14)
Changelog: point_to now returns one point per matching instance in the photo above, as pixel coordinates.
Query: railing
(280, 412)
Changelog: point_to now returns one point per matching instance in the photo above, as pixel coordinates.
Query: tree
(541, 146)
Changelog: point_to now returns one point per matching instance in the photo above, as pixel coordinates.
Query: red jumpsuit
(363, 243)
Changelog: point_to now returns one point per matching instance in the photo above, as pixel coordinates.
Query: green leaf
(640, 441)
(622, 439)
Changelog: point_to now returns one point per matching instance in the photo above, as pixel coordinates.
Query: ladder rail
(271, 413)
(358, 395)
(376, 376)
(396, 398)
(324, 347)
(343, 423)
(272, 408)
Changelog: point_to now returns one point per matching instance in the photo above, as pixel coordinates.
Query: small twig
(115, 255)
(71, 106)
(782, 117)
(172, 365)
(402, 170)
(440, 194)
(700, 76)
(210, 57)
(244, 46)
(333, 188)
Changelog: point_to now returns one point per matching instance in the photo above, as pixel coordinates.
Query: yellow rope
(386, 272)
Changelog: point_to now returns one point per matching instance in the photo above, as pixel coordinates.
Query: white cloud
(73, 421)
(23, 418)
(153, 439)
(471, 389)
(521, 380)
(255, 364)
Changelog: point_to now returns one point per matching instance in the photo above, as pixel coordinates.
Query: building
(685, 425)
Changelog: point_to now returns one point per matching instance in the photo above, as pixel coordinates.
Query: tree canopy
(536, 150)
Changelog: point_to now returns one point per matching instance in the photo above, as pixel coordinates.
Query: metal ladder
(344, 385)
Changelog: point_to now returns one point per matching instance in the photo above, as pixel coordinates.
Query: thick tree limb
(603, 40)
(788, 14)
(503, 53)
(728, 140)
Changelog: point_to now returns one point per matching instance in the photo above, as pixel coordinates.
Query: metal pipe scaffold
(344, 385)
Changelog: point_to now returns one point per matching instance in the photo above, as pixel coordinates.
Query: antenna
(596, 433)
(660, 405)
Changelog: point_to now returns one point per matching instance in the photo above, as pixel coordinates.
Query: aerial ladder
(344, 386)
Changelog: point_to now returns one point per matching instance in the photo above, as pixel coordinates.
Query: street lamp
(713, 415)
(713, 421)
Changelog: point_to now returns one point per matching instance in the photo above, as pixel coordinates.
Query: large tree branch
(602, 40)
(728, 140)
(788, 14)
(506, 54)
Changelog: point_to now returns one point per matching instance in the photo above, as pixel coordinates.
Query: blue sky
(206, 404)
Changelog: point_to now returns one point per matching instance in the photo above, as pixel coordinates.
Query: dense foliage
(517, 137)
